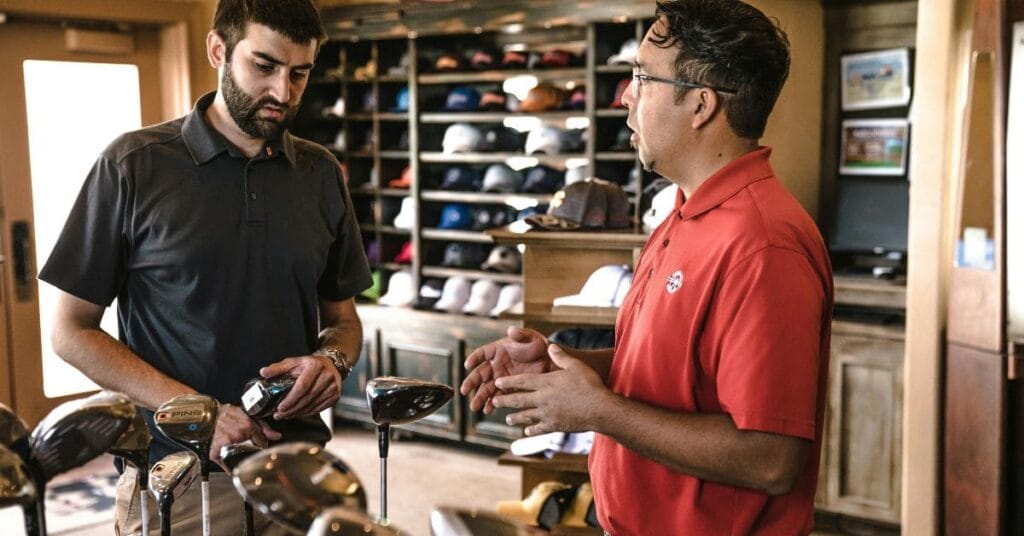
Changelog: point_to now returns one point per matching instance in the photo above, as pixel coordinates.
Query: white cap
(508, 298)
(339, 140)
(505, 259)
(627, 53)
(544, 139)
(406, 217)
(526, 446)
(461, 138)
(401, 291)
(454, 295)
(483, 296)
(606, 287)
(661, 206)
(576, 174)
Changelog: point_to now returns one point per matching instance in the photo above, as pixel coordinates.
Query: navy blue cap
(543, 180)
(459, 255)
(461, 179)
(455, 216)
(463, 99)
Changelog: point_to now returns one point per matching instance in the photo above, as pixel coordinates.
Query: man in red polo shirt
(708, 411)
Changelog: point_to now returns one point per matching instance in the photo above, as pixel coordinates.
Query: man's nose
(280, 88)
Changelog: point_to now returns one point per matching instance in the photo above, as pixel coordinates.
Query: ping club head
(170, 477)
(292, 483)
(78, 431)
(133, 445)
(13, 432)
(189, 420)
(16, 488)
(232, 455)
(341, 521)
(450, 521)
(261, 396)
(395, 401)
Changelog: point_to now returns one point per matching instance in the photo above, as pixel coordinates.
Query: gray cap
(501, 178)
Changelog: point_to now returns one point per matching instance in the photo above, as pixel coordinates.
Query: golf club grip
(165, 518)
(31, 523)
(250, 529)
(41, 513)
(206, 507)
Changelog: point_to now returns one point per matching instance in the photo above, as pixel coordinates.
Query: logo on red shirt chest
(674, 282)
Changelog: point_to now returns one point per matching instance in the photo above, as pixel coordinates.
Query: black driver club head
(133, 445)
(232, 455)
(292, 483)
(78, 431)
(396, 401)
(342, 521)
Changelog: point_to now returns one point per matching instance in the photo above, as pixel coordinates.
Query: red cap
(404, 181)
(620, 88)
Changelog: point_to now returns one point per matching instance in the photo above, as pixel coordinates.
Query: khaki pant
(227, 516)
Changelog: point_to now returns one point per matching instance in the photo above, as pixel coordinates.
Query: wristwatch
(339, 359)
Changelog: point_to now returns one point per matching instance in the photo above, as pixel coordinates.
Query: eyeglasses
(639, 79)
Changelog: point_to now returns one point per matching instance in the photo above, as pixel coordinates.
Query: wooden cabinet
(861, 458)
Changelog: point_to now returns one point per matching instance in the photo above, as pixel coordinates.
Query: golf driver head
(261, 396)
(189, 420)
(16, 488)
(78, 431)
(232, 455)
(397, 401)
(13, 432)
(342, 521)
(170, 477)
(449, 521)
(133, 445)
(292, 483)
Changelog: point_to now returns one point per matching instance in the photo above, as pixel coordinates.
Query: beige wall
(794, 129)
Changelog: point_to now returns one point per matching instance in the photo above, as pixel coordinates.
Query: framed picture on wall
(879, 79)
(874, 147)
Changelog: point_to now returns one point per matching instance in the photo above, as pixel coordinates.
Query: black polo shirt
(217, 260)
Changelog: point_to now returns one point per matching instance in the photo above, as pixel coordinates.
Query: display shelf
(395, 155)
(625, 69)
(482, 197)
(496, 117)
(612, 112)
(615, 156)
(392, 230)
(455, 236)
(394, 192)
(393, 116)
(445, 272)
(493, 158)
(360, 116)
(500, 76)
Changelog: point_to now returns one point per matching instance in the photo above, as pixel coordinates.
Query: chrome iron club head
(292, 483)
(449, 521)
(396, 401)
(169, 479)
(342, 521)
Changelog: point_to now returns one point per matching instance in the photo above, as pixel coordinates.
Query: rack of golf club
(297, 485)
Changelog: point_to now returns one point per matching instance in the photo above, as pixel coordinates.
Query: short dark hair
(298, 20)
(728, 44)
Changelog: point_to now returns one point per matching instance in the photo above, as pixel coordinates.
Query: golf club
(341, 521)
(449, 521)
(232, 455)
(133, 448)
(190, 420)
(395, 401)
(169, 478)
(14, 436)
(261, 396)
(72, 434)
(16, 488)
(292, 483)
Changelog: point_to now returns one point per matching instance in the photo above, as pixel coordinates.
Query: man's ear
(706, 106)
(216, 49)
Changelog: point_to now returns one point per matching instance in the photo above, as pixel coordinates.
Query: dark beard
(245, 110)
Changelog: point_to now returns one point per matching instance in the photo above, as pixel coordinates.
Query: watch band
(339, 359)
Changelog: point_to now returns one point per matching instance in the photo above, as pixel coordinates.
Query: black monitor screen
(870, 214)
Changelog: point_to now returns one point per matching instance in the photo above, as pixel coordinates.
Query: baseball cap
(555, 58)
(369, 101)
(499, 138)
(461, 138)
(401, 291)
(493, 100)
(454, 294)
(448, 62)
(405, 254)
(544, 139)
(588, 204)
(483, 296)
(584, 338)
(372, 293)
(515, 59)
(403, 181)
(606, 287)
(486, 218)
(367, 71)
(509, 296)
(663, 204)
(461, 179)
(401, 100)
(373, 251)
(460, 255)
(542, 502)
(576, 174)
(542, 179)
(339, 140)
(482, 59)
(403, 141)
(577, 99)
(627, 53)
(430, 292)
(455, 216)
(462, 99)
(503, 259)
(501, 178)
(542, 97)
(402, 68)
(620, 89)
(406, 215)
(622, 140)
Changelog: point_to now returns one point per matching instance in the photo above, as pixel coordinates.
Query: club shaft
(41, 512)
(143, 501)
(206, 506)
(250, 529)
(32, 523)
(165, 518)
(384, 491)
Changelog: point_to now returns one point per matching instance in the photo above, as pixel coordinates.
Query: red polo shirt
(729, 312)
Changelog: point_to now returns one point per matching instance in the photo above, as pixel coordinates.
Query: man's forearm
(112, 365)
(705, 446)
(346, 336)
